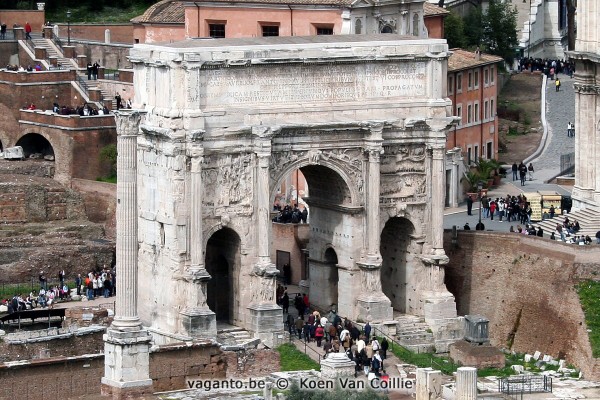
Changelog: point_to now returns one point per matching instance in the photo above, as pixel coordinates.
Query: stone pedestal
(337, 365)
(199, 323)
(438, 305)
(266, 321)
(48, 32)
(126, 364)
(69, 51)
(466, 383)
(372, 305)
(429, 384)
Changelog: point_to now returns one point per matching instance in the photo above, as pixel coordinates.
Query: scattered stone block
(562, 364)
(537, 355)
(518, 369)
(547, 358)
(468, 355)
(528, 357)
(3, 309)
(76, 298)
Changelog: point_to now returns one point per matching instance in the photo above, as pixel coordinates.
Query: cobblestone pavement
(560, 110)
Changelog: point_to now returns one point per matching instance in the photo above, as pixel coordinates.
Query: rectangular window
(476, 80)
(324, 30)
(270, 30)
(486, 111)
(216, 31)
(486, 77)
(470, 83)
(459, 114)
(492, 109)
(476, 112)
(469, 114)
(490, 153)
(459, 83)
(476, 153)
(491, 75)
(450, 85)
(469, 155)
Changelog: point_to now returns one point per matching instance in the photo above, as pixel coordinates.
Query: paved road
(560, 109)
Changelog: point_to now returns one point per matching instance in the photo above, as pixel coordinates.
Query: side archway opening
(36, 146)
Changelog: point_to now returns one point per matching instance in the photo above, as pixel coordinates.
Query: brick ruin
(44, 226)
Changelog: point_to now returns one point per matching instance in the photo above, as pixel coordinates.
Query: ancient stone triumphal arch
(221, 124)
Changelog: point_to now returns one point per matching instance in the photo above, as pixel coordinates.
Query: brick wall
(119, 33)
(251, 363)
(35, 18)
(91, 343)
(525, 286)
(100, 201)
(170, 366)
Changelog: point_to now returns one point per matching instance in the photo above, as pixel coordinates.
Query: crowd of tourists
(510, 208)
(548, 67)
(290, 215)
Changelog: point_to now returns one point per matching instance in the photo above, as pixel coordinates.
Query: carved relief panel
(228, 183)
(403, 176)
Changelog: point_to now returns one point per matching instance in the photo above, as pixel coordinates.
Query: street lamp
(69, 27)
(479, 226)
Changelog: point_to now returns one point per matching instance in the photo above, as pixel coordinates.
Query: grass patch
(109, 179)
(293, 359)
(589, 297)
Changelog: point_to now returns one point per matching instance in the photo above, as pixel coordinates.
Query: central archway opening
(222, 261)
(316, 242)
(396, 238)
(36, 146)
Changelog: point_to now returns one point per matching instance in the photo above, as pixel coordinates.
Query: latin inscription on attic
(291, 84)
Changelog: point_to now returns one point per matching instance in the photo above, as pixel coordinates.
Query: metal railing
(33, 285)
(306, 348)
(517, 386)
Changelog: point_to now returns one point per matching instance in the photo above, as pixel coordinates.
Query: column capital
(128, 122)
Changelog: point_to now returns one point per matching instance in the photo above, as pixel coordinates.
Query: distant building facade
(173, 20)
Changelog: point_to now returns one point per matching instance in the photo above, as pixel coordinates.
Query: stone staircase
(589, 221)
(53, 51)
(236, 337)
(413, 333)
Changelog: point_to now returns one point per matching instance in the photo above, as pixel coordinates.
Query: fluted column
(126, 342)
(126, 315)
(197, 319)
(266, 317)
(372, 304)
(466, 383)
(437, 199)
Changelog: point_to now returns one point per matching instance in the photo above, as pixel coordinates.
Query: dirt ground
(523, 90)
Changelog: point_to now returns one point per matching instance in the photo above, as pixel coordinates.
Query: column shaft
(197, 240)
(262, 186)
(466, 383)
(372, 208)
(437, 200)
(127, 218)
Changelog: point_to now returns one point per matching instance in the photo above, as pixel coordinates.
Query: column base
(438, 305)
(440, 314)
(266, 321)
(374, 308)
(126, 390)
(199, 323)
(126, 363)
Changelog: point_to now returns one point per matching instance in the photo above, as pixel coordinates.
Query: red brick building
(472, 87)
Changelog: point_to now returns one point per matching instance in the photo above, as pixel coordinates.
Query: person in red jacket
(27, 31)
(319, 333)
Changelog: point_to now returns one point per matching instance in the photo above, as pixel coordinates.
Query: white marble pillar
(438, 195)
(197, 318)
(429, 384)
(266, 317)
(372, 303)
(466, 383)
(127, 343)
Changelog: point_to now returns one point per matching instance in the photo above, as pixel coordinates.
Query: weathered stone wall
(80, 376)
(526, 287)
(7, 49)
(291, 238)
(119, 33)
(56, 344)
(112, 56)
(100, 201)
(251, 363)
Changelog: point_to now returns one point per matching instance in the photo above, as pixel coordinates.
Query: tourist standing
(530, 171)
(27, 31)
(78, 283)
(319, 333)
(557, 84)
(469, 205)
(3, 31)
(523, 173)
(515, 169)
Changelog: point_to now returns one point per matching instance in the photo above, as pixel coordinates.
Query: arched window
(416, 24)
(357, 27)
(387, 29)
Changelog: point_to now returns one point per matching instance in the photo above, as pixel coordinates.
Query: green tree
(500, 30)
(454, 31)
(109, 153)
(473, 27)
